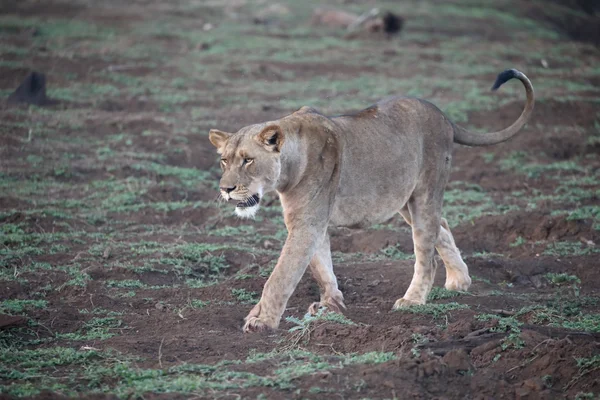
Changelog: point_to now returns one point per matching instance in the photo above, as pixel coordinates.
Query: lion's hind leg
(457, 272)
(321, 268)
(425, 217)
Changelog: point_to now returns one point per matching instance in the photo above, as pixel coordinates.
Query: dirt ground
(122, 276)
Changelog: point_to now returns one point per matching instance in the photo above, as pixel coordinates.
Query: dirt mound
(496, 233)
(541, 367)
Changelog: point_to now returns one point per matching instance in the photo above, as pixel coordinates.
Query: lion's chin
(248, 208)
(246, 212)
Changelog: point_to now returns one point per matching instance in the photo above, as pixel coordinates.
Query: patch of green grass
(436, 310)
(586, 212)
(586, 366)
(188, 177)
(565, 249)
(126, 283)
(517, 162)
(585, 396)
(111, 373)
(563, 313)
(439, 293)
(98, 328)
(196, 303)
(463, 202)
(303, 328)
(200, 255)
(583, 322)
(394, 253)
(509, 325)
(244, 296)
(322, 315)
(78, 277)
(562, 278)
(20, 306)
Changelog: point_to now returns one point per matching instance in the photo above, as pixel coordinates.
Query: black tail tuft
(504, 77)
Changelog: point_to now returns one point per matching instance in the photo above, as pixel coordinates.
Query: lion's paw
(255, 324)
(405, 303)
(333, 304)
(255, 321)
(461, 284)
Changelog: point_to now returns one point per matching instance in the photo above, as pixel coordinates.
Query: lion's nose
(228, 189)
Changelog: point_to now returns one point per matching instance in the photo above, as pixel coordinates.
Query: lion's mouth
(249, 202)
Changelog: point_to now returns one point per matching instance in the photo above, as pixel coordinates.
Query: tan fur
(355, 171)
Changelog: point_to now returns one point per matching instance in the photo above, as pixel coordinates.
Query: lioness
(353, 171)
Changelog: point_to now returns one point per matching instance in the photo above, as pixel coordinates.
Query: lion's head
(251, 164)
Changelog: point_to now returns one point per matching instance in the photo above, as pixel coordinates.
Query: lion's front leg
(297, 252)
(321, 268)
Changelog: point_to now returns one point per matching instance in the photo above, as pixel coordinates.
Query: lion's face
(251, 165)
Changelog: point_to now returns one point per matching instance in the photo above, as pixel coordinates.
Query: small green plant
(321, 315)
(439, 293)
(304, 327)
(394, 253)
(586, 366)
(416, 352)
(419, 338)
(195, 303)
(585, 396)
(509, 325)
(563, 278)
(519, 241)
(244, 296)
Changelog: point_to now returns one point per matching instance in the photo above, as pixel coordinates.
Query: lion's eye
(224, 161)
(248, 161)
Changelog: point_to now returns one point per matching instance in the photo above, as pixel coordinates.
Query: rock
(457, 360)
(392, 23)
(31, 91)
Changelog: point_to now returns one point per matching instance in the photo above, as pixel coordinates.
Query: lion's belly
(359, 212)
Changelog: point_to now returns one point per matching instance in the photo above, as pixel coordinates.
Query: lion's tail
(462, 136)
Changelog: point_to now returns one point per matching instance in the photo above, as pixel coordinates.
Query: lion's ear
(306, 110)
(271, 137)
(218, 138)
